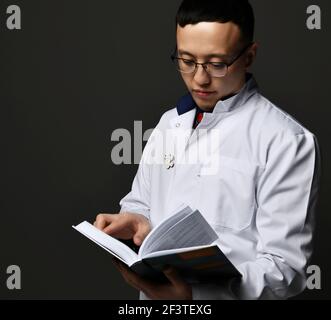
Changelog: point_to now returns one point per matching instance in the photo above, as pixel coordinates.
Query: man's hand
(176, 289)
(124, 226)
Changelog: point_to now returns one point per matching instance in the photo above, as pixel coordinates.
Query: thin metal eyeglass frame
(205, 64)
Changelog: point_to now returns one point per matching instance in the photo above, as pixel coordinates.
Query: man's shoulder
(273, 118)
(167, 116)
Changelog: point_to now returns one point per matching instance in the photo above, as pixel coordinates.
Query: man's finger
(102, 220)
(132, 278)
(115, 226)
(141, 234)
(173, 277)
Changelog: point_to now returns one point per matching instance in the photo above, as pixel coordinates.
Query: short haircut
(240, 12)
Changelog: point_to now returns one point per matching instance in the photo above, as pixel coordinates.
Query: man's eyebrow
(209, 56)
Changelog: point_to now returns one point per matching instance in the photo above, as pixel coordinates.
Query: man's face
(213, 42)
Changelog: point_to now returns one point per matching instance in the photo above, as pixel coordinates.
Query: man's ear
(251, 55)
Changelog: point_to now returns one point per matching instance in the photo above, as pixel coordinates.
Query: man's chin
(205, 105)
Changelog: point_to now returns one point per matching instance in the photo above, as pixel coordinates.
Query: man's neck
(228, 96)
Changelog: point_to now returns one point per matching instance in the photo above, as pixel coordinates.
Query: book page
(190, 230)
(112, 245)
(164, 225)
(178, 250)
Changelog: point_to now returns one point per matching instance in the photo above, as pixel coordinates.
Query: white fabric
(260, 200)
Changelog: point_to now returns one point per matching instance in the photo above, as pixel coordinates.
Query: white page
(178, 250)
(157, 243)
(181, 212)
(192, 230)
(112, 245)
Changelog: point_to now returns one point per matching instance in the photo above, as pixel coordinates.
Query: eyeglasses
(214, 69)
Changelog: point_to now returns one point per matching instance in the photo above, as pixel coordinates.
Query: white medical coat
(260, 200)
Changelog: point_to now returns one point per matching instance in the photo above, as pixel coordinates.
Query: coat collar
(187, 104)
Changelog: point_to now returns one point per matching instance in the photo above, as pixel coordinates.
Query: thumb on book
(137, 239)
(141, 233)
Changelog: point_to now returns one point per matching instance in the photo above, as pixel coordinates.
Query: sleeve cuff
(222, 291)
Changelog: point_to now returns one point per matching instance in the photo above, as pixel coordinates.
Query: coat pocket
(227, 192)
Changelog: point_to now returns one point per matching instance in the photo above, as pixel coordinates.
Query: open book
(185, 241)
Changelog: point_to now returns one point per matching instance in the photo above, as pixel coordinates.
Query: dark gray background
(79, 70)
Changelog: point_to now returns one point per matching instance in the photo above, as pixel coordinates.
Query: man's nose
(201, 76)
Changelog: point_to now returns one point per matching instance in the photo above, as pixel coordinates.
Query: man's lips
(203, 93)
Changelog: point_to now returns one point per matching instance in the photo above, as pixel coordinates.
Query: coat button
(177, 125)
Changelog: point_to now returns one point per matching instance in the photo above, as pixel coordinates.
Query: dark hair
(240, 12)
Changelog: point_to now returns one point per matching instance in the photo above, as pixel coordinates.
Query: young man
(261, 197)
